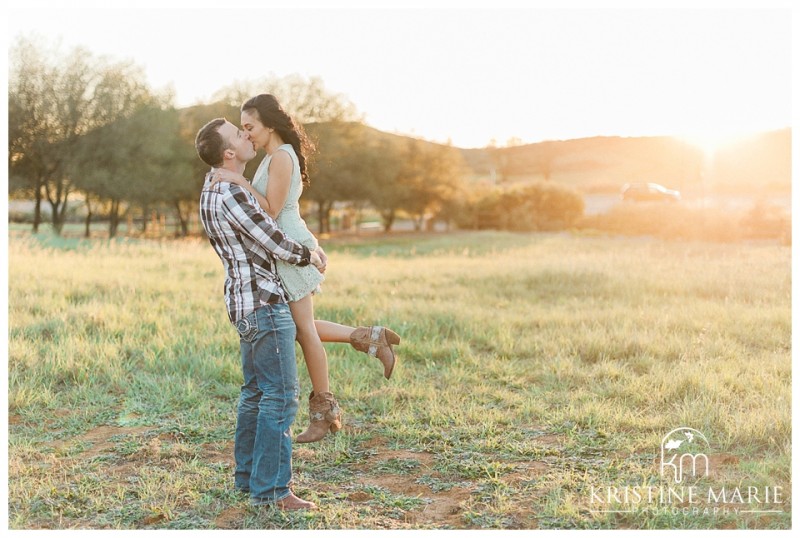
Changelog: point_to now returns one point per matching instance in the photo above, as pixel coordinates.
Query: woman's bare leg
(313, 351)
(329, 331)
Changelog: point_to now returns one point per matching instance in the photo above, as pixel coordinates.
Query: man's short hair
(210, 144)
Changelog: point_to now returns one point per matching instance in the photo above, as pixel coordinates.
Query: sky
(470, 75)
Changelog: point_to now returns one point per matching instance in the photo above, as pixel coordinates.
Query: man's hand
(323, 257)
(316, 261)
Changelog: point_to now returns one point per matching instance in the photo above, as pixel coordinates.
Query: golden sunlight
(711, 141)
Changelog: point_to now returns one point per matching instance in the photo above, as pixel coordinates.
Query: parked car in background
(649, 192)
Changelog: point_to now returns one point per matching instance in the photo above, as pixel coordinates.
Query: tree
(55, 101)
(136, 160)
(535, 206)
(306, 100)
(437, 179)
(339, 169)
(411, 175)
(387, 172)
(28, 109)
(455, 206)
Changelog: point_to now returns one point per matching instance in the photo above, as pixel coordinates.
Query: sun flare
(710, 142)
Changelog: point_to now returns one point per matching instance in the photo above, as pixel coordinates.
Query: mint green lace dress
(297, 281)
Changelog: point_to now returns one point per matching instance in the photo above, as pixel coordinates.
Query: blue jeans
(267, 404)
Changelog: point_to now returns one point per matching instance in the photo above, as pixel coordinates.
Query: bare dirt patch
(529, 471)
(230, 518)
(376, 442)
(359, 497)
(549, 440)
(99, 438)
(425, 458)
(214, 453)
(440, 509)
(717, 462)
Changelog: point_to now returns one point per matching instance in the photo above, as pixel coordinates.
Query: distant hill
(763, 163)
(593, 164)
(760, 164)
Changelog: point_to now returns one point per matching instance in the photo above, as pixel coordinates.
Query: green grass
(533, 367)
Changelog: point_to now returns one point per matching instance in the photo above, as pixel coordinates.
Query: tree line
(83, 126)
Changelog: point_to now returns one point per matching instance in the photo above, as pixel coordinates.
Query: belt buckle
(243, 325)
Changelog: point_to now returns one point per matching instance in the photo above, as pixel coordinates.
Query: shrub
(530, 207)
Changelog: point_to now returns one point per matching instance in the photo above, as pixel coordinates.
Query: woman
(277, 185)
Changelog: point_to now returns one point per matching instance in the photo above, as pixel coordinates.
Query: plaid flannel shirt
(247, 240)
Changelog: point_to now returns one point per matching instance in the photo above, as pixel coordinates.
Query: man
(247, 241)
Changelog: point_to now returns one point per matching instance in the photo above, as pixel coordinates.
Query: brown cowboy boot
(377, 342)
(325, 415)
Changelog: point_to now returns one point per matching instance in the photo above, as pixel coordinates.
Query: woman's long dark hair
(273, 116)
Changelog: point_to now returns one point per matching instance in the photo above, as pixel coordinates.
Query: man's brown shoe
(292, 502)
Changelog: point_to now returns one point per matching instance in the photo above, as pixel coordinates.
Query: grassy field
(534, 368)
